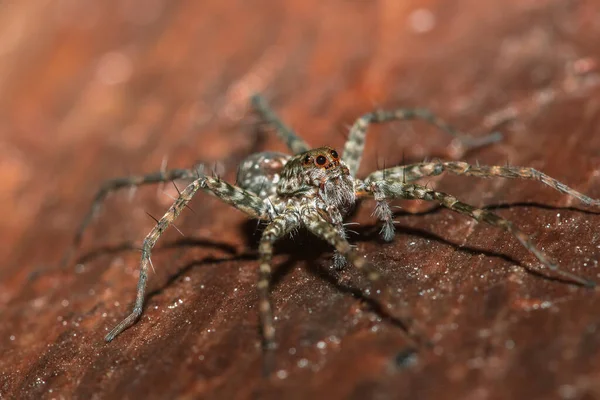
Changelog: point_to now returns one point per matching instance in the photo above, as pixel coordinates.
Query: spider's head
(320, 171)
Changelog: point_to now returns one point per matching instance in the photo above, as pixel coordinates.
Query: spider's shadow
(175, 244)
(313, 250)
(251, 231)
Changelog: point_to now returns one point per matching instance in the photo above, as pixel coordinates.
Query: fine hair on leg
(294, 142)
(113, 185)
(413, 172)
(354, 147)
(237, 197)
(326, 231)
(276, 229)
(418, 192)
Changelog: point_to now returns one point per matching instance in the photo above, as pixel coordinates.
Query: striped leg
(413, 191)
(285, 133)
(412, 172)
(353, 149)
(409, 173)
(277, 229)
(326, 231)
(383, 211)
(114, 185)
(405, 173)
(239, 198)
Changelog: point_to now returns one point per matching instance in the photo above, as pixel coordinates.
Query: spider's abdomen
(261, 172)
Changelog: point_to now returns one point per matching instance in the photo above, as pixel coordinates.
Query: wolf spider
(316, 189)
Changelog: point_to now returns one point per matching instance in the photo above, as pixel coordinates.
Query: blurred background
(95, 90)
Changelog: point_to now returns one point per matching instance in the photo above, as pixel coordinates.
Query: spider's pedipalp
(417, 192)
(294, 142)
(353, 149)
(114, 185)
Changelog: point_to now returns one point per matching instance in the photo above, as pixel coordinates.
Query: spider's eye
(307, 160)
(321, 160)
(334, 154)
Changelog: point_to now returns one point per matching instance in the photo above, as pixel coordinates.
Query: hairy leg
(412, 172)
(239, 198)
(389, 189)
(353, 149)
(114, 185)
(285, 133)
(276, 229)
(326, 231)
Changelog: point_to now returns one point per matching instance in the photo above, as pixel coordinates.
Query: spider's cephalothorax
(316, 189)
(319, 177)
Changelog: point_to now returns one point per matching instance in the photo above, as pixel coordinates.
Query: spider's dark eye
(306, 159)
(334, 154)
(321, 160)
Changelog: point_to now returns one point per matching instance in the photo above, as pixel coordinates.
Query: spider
(316, 189)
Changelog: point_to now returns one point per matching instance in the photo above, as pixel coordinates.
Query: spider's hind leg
(285, 133)
(353, 149)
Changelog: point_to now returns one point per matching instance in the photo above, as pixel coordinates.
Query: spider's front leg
(277, 229)
(116, 184)
(241, 199)
(326, 231)
(353, 149)
(392, 189)
(412, 172)
(408, 173)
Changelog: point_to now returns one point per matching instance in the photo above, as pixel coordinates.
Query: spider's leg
(326, 231)
(114, 185)
(353, 149)
(337, 220)
(405, 173)
(237, 197)
(383, 211)
(416, 171)
(278, 228)
(285, 133)
(391, 189)
(412, 172)
(339, 261)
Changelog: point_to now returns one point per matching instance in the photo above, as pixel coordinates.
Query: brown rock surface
(95, 90)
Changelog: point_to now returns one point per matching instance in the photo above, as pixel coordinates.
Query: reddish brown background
(91, 90)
